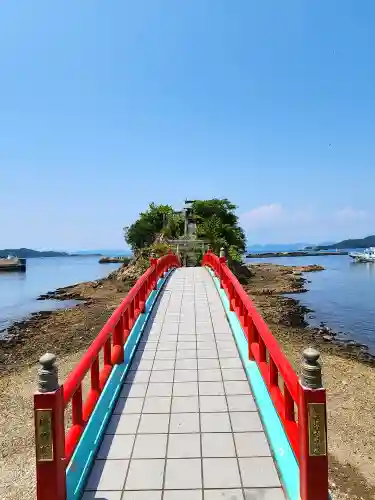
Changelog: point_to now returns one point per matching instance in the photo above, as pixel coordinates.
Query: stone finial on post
(222, 253)
(311, 370)
(48, 374)
(49, 432)
(312, 424)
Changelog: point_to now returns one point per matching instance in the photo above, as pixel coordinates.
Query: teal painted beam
(80, 465)
(285, 459)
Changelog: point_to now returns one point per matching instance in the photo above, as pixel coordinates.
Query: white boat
(367, 256)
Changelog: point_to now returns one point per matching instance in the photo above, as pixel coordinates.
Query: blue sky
(106, 106)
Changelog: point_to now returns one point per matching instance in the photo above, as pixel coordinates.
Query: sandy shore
(349, 379)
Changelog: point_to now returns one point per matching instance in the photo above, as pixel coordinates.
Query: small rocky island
(115, 260)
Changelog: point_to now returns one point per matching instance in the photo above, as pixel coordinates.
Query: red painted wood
(50, 476)
(313, 470)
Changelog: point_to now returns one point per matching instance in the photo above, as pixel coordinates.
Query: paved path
(186, 426)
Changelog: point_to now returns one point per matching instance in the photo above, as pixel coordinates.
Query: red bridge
(184, 394)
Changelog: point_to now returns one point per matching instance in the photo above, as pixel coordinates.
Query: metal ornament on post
(312, 423)
(49, 432)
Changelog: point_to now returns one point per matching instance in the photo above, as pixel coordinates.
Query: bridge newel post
(49, 432)
(153, 263)
(222, 260)
(312, 425)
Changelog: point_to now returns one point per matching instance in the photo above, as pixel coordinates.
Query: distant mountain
(286, 247)
(325, 243)
(27, 253)
(105, 253)
(369, 241)
(89, 254)
(277, 247)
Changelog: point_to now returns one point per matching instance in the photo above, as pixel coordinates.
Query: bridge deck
(186, 426)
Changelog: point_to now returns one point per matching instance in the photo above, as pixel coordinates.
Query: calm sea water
(18, 291)
(343, 296)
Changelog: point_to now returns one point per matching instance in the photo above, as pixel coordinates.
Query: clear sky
(108, 105)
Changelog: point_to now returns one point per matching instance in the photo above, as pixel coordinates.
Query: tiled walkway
(186, 426)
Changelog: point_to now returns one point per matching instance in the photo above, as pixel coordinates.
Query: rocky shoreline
(269, 284)
(61, 331)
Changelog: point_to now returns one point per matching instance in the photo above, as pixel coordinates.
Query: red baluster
(77, 407)
(274, 375)
(94, 372)
(250, 334)
(262, 350)
(289, 405)
(118, 343)
(126, 325)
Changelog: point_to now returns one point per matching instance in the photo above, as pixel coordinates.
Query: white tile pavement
(186, 426)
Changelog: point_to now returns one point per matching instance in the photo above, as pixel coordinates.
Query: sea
(19, 291)
(342, 296)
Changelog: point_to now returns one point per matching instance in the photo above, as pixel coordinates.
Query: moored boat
(367, 255)
(12, 264)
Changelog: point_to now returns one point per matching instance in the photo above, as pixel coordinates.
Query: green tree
(216, 220)
(217, 223)
(156, 220)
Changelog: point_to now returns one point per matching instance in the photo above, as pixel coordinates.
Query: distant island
(286, 247)
(299, 253)
(369, 241)
(85, 255)
(115, 260)
(27, 253)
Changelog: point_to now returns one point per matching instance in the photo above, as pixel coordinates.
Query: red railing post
(222, 260)
(126, 325)
(49, 433)
(142, 298)
(153, 263)
(312, 423)
(118, 342)
(250, 334)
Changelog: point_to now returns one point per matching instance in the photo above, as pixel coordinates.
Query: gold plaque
(317, 430)
(44, 436)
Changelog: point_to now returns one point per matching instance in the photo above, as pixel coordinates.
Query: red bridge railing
(55, 446)
(306, 427)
